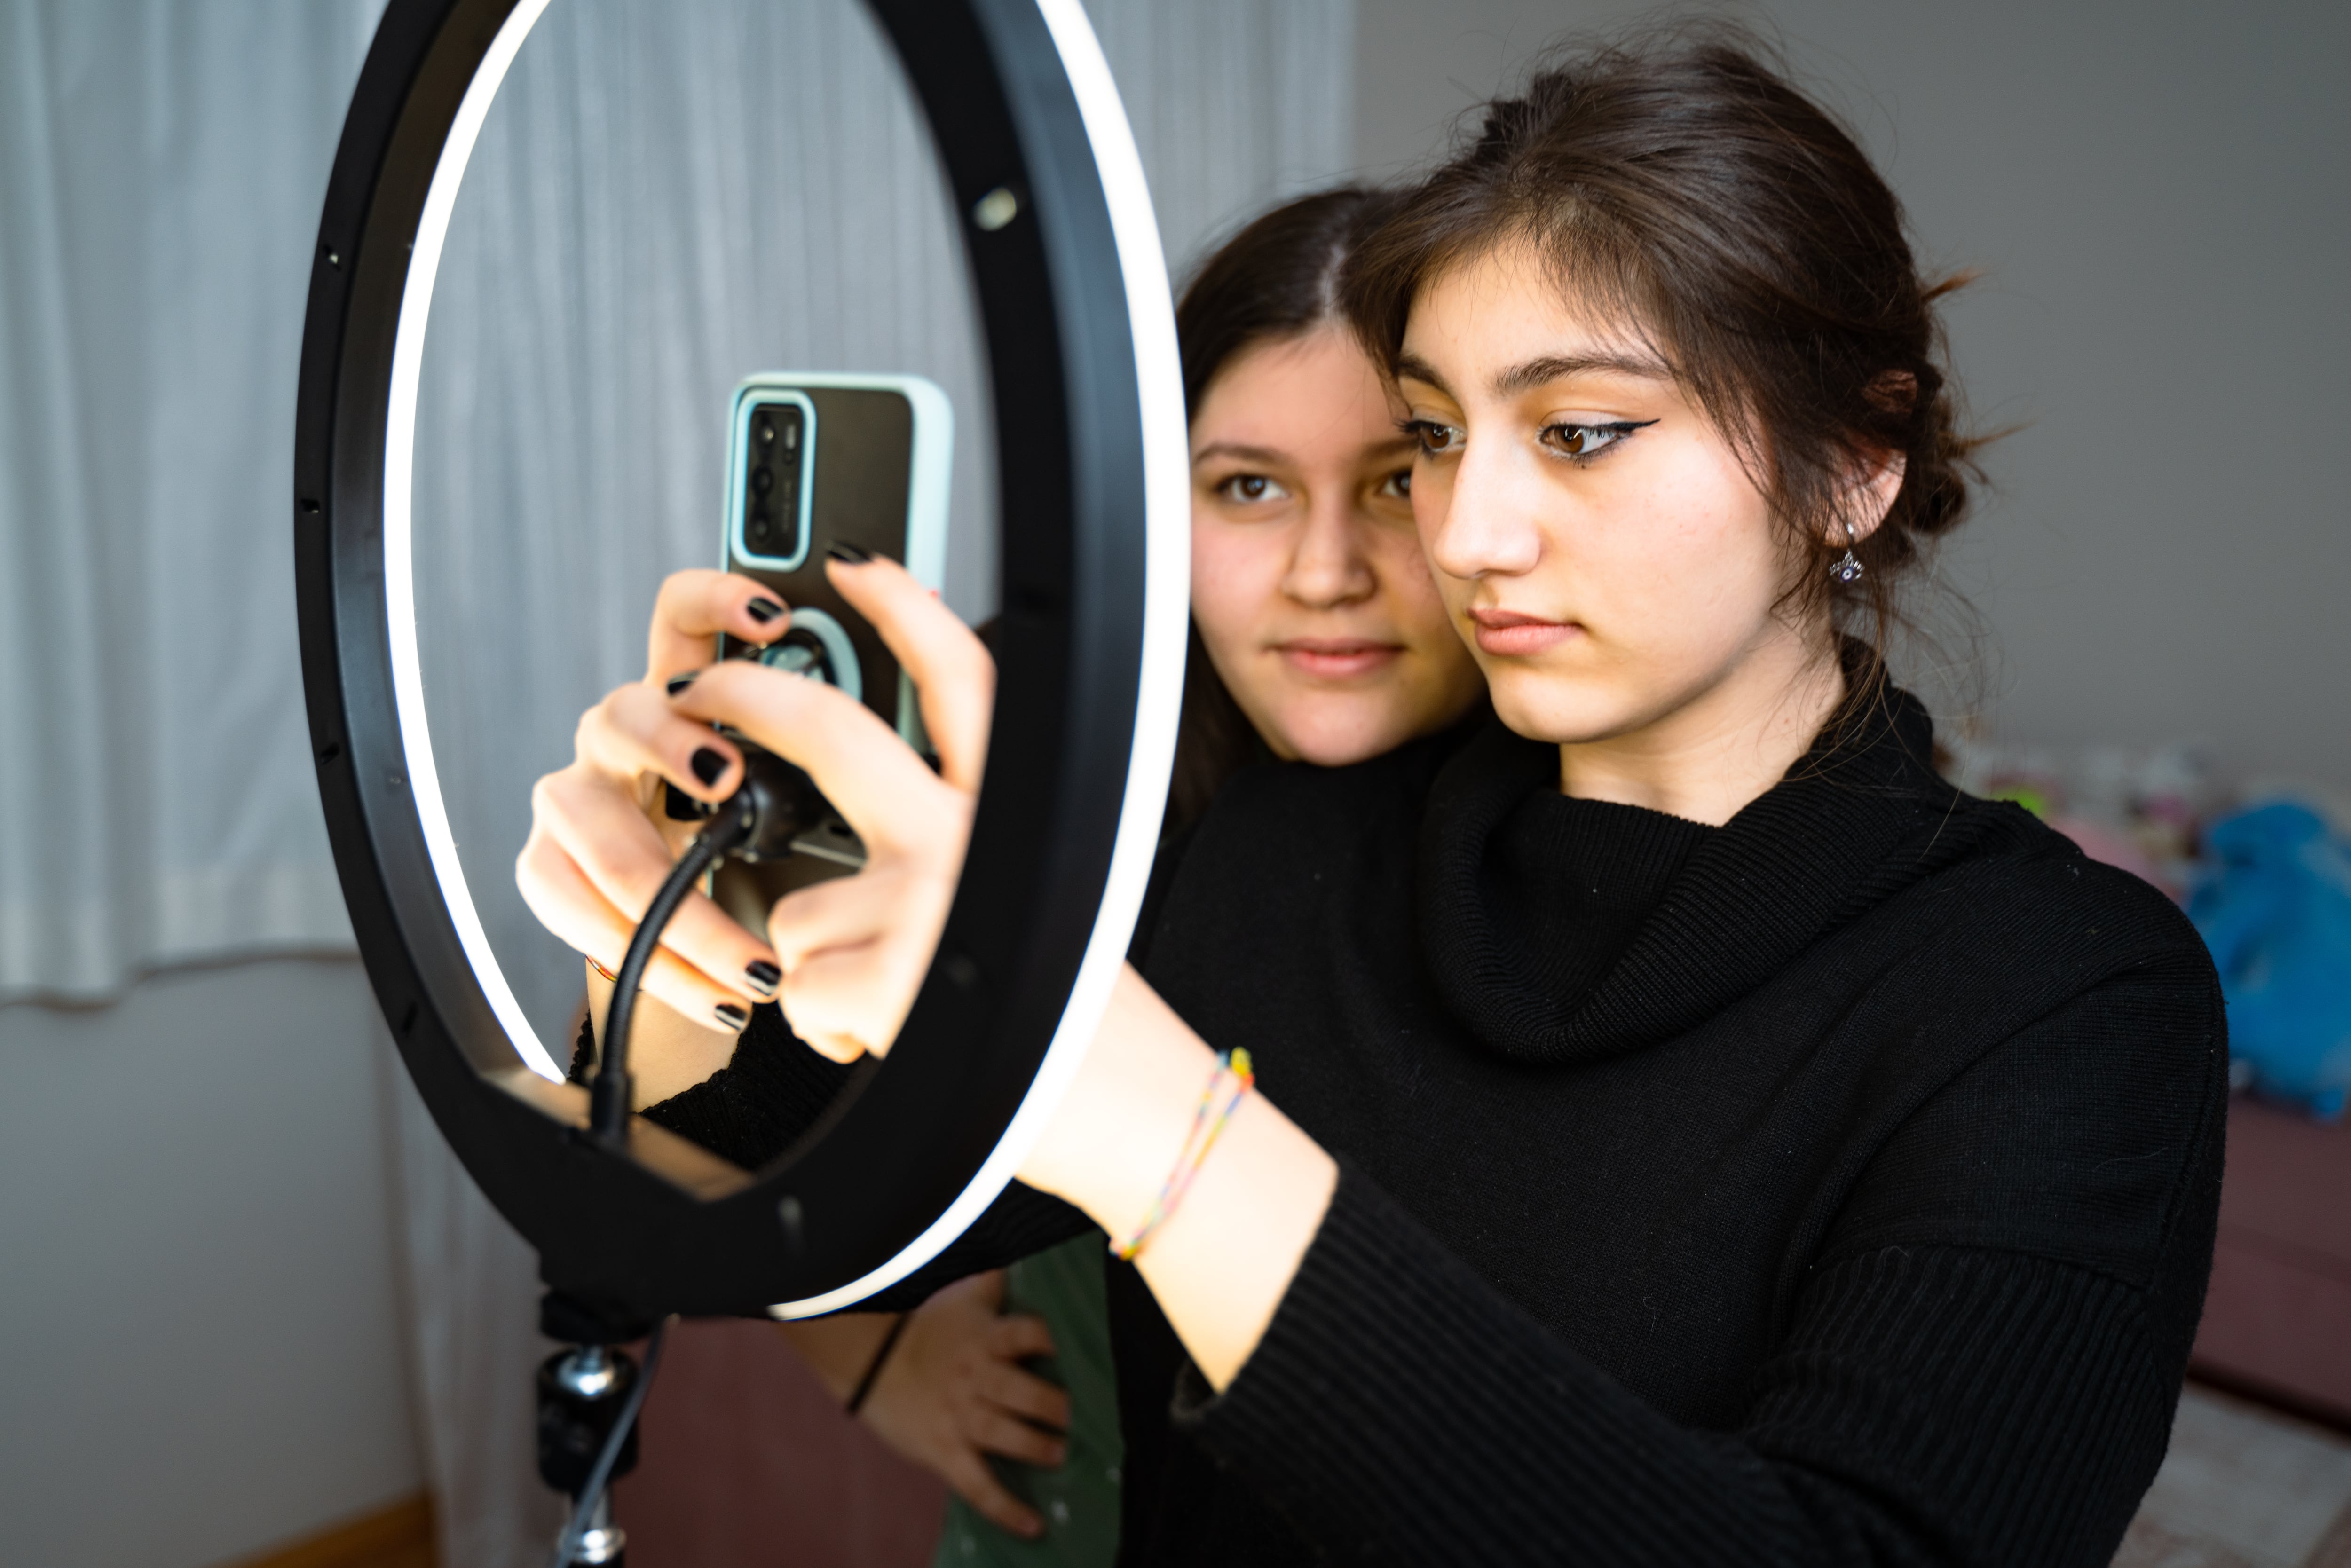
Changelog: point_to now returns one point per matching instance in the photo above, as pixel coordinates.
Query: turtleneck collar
(1558, 930)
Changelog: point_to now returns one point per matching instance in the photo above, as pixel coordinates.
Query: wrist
(839, 1350)
(1122, 1124)
(1221, 1259)
(874, 1364)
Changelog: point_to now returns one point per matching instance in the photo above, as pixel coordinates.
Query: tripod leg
(602, 1544)
(587, 1395)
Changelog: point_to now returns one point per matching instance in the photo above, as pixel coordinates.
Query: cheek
(1416, 596)
(1431, 496)
(1236, 573)
(1697, 570)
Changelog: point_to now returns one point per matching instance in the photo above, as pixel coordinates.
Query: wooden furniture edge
(397, 1536)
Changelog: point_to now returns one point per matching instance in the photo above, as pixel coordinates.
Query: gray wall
(198, 1295)
(2157, 195)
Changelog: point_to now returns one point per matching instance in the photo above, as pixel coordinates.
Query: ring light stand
(1073, 295)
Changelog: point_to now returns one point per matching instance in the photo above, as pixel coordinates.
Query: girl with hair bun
(1683, 1128)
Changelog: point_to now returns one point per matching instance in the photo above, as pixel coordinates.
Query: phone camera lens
(762, 481)
(766, 430)
(761, 530)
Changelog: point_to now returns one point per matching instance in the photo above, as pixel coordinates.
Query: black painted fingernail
(763, 976)
(730, 1016)
(708, 765)
(764, 610)
(679, 683)
(843, 550)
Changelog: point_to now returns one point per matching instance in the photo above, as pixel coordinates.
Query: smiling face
(1600, 544)
(1308, 581)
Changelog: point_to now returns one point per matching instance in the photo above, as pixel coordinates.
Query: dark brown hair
(1276, 278)
(1675, 180)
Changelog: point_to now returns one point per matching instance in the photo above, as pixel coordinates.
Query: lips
(1336, 658)
(1507, 634)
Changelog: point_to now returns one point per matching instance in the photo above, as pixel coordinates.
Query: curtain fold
(160, 169)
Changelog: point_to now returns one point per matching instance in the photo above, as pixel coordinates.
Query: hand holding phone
(823, 464)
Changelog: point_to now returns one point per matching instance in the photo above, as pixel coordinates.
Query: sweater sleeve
(1930, 1399)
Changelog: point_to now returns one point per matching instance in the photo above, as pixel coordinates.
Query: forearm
(1928, 1406)
(668, 1053)
(1221, 1263)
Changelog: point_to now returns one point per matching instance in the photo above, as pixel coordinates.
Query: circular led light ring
(1151, 320)
(399, 535)
(1168, 588)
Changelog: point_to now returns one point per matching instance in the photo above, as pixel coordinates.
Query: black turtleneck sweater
(1836, 1186)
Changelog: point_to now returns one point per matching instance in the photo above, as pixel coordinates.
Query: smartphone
(815, 459)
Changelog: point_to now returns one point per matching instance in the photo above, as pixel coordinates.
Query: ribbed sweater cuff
(1373, 1413)
(1398, 1410)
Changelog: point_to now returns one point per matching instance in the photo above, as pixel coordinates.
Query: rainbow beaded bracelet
(1232, 1064)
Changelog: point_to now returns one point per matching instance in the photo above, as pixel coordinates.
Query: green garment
(1080, 1500)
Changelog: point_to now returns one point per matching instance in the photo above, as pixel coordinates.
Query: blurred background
(255, 1309)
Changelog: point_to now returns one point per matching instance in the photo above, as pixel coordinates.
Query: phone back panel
(859, 485)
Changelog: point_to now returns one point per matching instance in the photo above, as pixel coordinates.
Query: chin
(1558, 712)
(1342, 739)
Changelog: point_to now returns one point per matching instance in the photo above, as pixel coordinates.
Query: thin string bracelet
(873, 1368)
(609, 978)
(1197, 1141)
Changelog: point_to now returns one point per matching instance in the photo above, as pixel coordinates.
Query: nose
(1329, 567)
(1488, 522)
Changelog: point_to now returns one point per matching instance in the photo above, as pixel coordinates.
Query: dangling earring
(1847, 567)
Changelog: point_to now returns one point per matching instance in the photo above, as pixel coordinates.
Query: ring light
(1073, 296)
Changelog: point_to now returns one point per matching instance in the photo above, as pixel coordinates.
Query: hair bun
(1508, 124)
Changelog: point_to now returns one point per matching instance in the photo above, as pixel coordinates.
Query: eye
(1436, 440)
(1398, 485)
(1252, 487)
(1588, 441)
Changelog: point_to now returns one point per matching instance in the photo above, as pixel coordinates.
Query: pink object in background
(748, 1463)
(2277, 1318)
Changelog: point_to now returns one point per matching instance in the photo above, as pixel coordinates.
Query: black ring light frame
(1073, 298)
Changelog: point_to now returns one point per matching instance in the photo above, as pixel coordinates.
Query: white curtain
(1235, 103)
(160, 169)
(670, 193)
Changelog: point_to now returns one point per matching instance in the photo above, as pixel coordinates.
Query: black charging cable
(609, 1090)
(776, 804)
(591, 1491)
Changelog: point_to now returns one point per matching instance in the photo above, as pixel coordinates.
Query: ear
(1869, 496)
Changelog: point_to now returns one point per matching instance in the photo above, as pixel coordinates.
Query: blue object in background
(2273, 902)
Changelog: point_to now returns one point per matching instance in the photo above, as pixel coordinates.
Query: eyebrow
(1236, 449)
(1528, 374)
(1268, 456)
